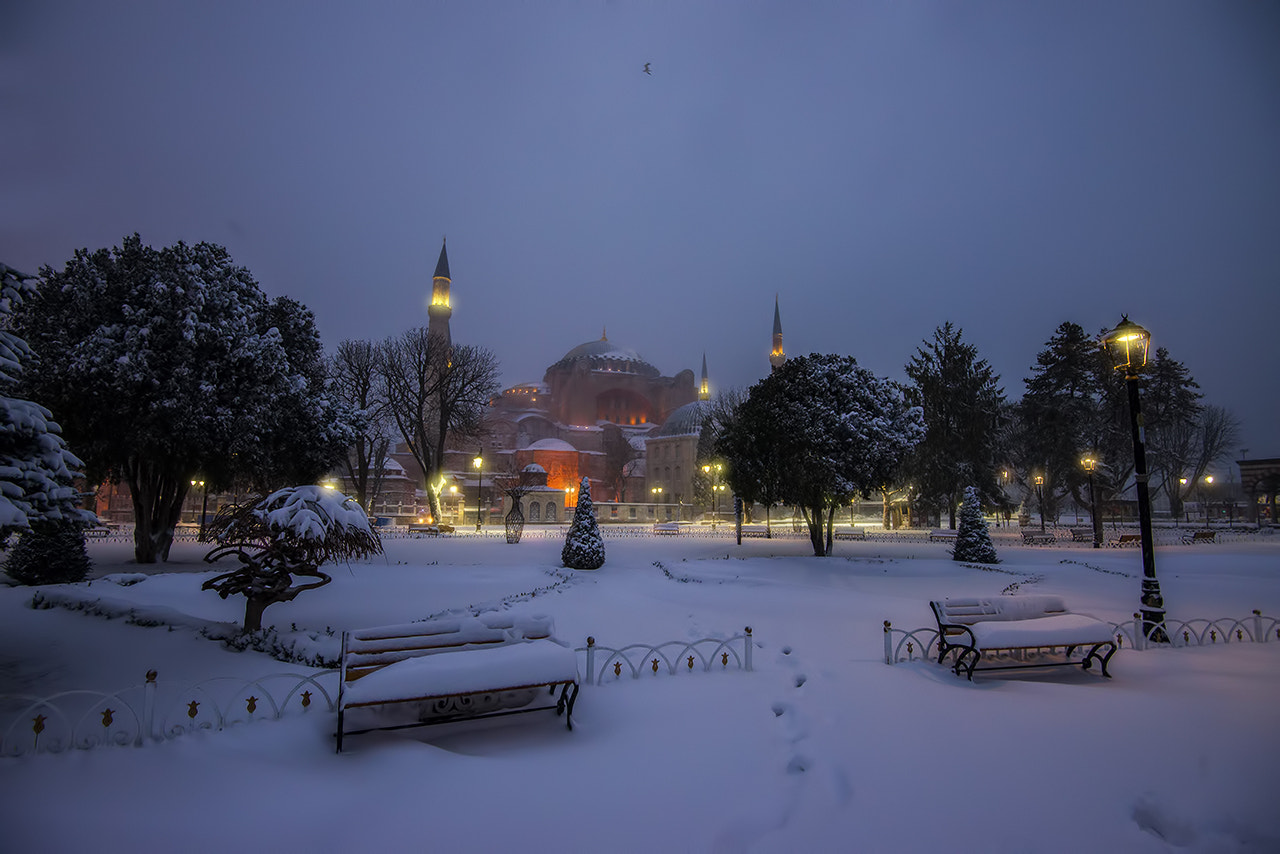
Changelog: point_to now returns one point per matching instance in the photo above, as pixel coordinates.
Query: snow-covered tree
(583, 545)
(52, 551)
(165, 364)
(973, 540)
(822, 429)
(962, 402)
(291, 532)
(35, 466)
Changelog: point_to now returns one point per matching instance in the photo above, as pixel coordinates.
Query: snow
(822, 748)
(1057, 630)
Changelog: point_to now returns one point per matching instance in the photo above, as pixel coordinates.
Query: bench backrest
(366, 650)
(970, 611)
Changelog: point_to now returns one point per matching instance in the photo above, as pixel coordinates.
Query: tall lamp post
(478, 462)
(1090, 466)
(712, 470)
(1040, 498)
(1208, 482)
(1126, 346)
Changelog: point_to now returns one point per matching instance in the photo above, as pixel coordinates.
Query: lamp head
(1127, 345)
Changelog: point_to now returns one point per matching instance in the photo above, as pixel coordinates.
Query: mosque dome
(551, 445)
(684, 421)
(604, 355)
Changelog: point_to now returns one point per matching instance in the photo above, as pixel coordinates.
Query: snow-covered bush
(290, 532)
(583, 545)
(973, 540)
(51, 552)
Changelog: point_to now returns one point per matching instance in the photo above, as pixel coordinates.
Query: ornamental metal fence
(151, 713)
(902, 645)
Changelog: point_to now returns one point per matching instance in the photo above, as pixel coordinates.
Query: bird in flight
(646, 69)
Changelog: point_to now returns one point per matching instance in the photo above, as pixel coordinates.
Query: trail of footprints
(795, 730)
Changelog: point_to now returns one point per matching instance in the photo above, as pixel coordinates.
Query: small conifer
(52, 552)
(583, 545)
(973, 541)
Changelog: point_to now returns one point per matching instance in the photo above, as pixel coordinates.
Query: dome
(551, 445)
(603, 354)
(534, 468)
(684, 421)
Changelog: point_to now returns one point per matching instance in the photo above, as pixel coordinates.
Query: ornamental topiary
(583, 545)
(52, 552)
(973, 541)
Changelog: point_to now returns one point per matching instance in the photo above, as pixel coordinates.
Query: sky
(880, 168)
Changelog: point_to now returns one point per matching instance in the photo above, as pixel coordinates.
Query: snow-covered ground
(822, 748)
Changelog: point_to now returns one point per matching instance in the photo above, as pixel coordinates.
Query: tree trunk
(253, 608)
(157, 507)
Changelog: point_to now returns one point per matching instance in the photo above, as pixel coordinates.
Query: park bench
(97, 533)
(424, 530)
(440, 671)
(667, 528)
(1038, 538)
(1017, 632)
(851, 534)
(1082, 535)
(1126, 540)
(755, 531)
(942, 535)
(1192, 537)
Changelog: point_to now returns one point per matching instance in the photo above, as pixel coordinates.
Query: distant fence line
(901, 645)
(151, 713)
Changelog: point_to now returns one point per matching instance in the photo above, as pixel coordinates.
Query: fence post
(591, 660)
(1257, 626)
(1139, 639)
(888, 642)
(148, 708)
(747, 654)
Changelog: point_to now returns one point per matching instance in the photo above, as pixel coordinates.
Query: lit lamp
(1186, 514)
(657, 493)
(204, 505)
(568, 497)
(1090, 466)
(712, 470)
(1040, 498)
(1208, 482)
(478, 462)
(1126, 346)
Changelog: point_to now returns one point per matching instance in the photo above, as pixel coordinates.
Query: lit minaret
(777, 356)
(704, 390)
(439, 311)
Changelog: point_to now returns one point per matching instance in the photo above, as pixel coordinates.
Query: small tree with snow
(290, 532)
(973, 541)
(583, 545)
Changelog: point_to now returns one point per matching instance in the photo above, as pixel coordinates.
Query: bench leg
(1093, 653)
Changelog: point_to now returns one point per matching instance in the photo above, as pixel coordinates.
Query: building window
(631, 513)
(535, 511)
(551, 511)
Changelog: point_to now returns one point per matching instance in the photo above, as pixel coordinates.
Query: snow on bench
(943, 535)
(850, 534)
(1018, 625)
(1193, 537)
(449, 669)
(1038, 538)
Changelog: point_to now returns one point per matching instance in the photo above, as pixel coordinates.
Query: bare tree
(1192, 449)
(435, 392)
(356, 380)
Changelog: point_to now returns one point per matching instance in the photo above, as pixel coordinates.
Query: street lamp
(1208, 482)
(1090, 465)
(1126, 346)
(478, 462)
(1040, 498)
(568, 497)
(657, 493)
(712, 470)
(204, 506)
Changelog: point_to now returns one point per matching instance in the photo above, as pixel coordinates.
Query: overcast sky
(883, 167)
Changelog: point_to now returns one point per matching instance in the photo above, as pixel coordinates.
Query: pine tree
(52, 552)
(973, 541)
(583, 545)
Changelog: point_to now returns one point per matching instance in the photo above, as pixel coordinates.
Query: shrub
(52, 552)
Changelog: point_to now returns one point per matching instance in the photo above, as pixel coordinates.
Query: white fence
(910, 644)
(150, 713)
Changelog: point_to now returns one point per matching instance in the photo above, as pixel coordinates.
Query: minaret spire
(704, 389)
(439, 311)
(777, 356)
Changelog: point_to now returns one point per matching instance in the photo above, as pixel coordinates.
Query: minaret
(777, 356)
(704, 390)
(439, 311)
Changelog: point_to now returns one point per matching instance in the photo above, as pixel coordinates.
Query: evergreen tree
(35, 466)
(51, 552)
(583, 545)
(162, 364)
(973, 540)
(962, 403)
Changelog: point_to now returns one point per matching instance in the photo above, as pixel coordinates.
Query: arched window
(535, 511)
(551, 511)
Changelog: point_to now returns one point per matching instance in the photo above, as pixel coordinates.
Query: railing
(82, 720)
(672, 657)
(907, 645)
